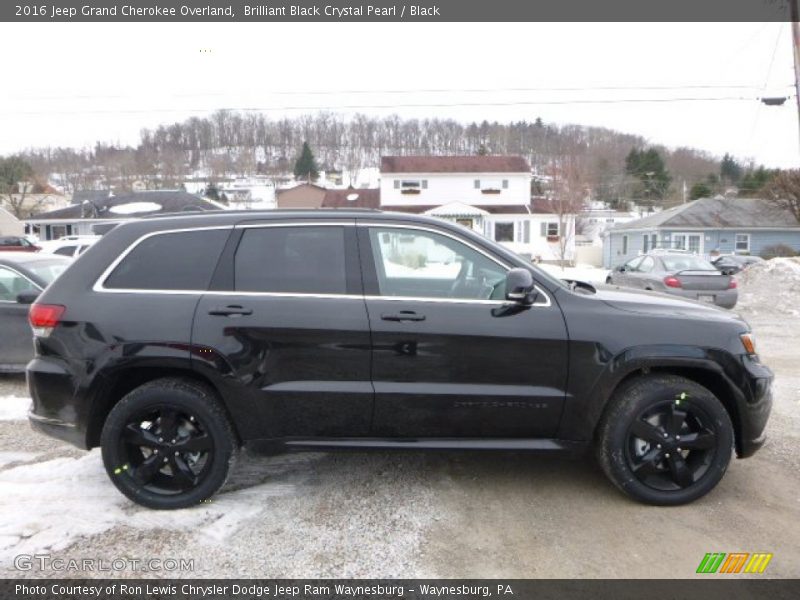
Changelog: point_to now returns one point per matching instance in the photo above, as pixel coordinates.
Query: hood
(655, 303)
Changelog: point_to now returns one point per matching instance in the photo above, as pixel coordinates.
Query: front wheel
(168, 444)
(665, 440)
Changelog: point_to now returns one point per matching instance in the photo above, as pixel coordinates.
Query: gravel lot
(408, 514)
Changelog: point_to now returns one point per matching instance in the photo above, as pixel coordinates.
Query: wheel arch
(115, 386)
(710, 378)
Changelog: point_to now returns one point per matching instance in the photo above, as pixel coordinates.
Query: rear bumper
(723, 298)
(56, 410)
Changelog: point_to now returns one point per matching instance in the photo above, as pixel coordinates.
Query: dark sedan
(23, 275)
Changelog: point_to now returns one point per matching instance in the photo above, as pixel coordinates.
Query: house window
(490, 186)
(624, 244)
(505, 184)
(742, 243)
(411, 186)
(549, 230)
(526, 232)
(504, 232)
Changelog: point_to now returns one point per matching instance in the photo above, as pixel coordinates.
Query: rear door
(447, 360)
(285, 328)
(16, 339)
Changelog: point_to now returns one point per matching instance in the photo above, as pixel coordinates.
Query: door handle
(230, 311)
(403, 315)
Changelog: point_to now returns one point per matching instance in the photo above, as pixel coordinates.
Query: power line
(393, 106)
(424, 91)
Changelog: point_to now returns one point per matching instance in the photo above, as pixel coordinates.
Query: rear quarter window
(170, 261)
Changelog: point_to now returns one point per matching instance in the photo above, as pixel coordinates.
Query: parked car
(15, 243)
(22, 277)
(680, 274)
(731, 264)
(176, 339)
(71, 246)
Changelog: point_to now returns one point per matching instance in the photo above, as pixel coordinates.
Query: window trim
(99, 287)
(735, 243)
(25, 277)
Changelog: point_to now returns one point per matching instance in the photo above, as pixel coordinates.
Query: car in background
(17, 243)
(70, 246)
(681, 274)
(23, 276)
(730, 264)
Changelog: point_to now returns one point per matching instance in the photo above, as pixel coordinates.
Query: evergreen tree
(730, 170)
(648, 168)
(699, 190)
(305, 167)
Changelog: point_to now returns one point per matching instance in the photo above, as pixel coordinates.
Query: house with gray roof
(96, 213)
(724, 225)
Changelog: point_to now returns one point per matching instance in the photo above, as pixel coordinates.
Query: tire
(180, 421)
(664, 440)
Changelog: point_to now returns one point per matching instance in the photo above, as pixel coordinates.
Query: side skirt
(546, 446)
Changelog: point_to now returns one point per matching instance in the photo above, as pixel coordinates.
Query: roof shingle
(454, 164)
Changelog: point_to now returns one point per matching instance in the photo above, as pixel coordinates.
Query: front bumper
(755, 405)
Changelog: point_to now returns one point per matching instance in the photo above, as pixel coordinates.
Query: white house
(489, 194)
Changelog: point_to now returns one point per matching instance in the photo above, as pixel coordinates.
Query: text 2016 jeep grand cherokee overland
(174, 340)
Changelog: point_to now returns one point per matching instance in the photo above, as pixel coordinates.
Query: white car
(70, 246)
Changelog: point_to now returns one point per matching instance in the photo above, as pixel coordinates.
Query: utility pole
(794, 10)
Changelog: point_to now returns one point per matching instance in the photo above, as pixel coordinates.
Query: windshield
(47, 270)
(687, 263)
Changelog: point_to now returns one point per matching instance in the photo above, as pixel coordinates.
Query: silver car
(685, 275)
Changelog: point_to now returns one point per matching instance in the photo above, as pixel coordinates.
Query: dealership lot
(406, 514)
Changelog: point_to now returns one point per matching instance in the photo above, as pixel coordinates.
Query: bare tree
(566, 200)
(784, 191)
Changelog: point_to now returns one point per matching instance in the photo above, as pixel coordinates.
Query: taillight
(672, 282)
(44, 317)
(732, 284)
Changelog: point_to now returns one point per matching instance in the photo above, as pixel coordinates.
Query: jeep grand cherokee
(175, 340)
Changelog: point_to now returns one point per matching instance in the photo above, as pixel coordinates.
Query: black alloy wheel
(168, 444)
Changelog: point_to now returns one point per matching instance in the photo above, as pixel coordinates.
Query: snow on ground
(37, 497)
(771, 287)
(14, 408)
(580, 272)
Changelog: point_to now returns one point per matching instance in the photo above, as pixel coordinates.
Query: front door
(16, 340)
(447, 361)
(285, 327)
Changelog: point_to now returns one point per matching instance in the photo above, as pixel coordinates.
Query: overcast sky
(71, 84)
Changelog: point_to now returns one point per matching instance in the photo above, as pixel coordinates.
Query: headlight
(749, 342)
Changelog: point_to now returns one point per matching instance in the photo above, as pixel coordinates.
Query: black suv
(174, 340)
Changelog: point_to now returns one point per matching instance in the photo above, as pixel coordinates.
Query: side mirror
(27, 297)
(621, 268)
(519, 286)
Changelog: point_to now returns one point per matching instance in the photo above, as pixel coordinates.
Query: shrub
(777, 250)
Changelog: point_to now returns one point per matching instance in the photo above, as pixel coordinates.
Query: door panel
(455, 365)
(16, 337)
(292, 338)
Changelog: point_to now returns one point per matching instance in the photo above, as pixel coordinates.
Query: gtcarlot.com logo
(735, 562)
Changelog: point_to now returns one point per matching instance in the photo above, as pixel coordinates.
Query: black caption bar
(420, 11)
(385, 589)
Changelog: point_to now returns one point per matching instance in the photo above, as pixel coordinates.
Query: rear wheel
(168, 444)
(665, 440)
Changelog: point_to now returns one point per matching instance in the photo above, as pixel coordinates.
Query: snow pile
(36, 497)
(580, 272)
(771, 287)
(14, 408)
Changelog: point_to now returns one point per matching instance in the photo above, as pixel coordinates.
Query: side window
(424, 264)
(633, 264)
(182, 260)
(295, 260)
(65, 251)
(646, 265)
(12, 283)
